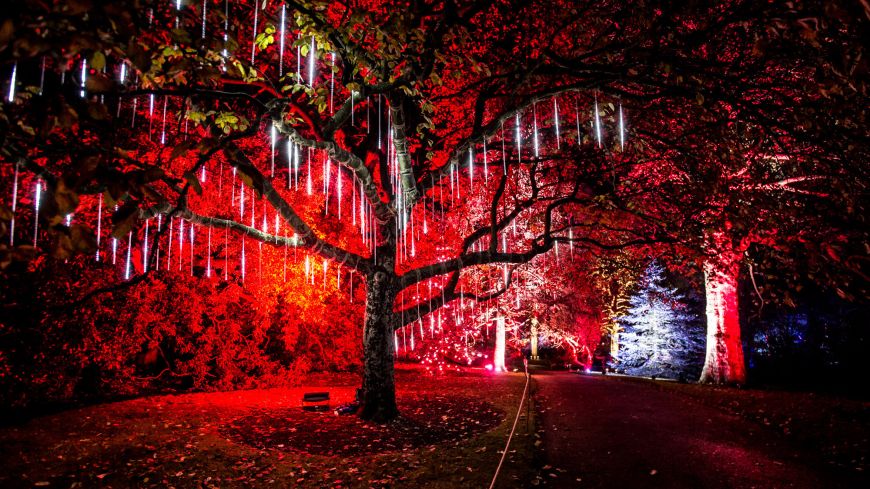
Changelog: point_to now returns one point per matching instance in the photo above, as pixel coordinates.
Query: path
(606, 432)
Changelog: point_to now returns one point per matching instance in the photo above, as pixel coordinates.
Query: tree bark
(498, 356)
(724, 363)
(379, 388)
(534, 338)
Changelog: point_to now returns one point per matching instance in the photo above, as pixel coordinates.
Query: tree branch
(403, 158)
(307, 237)
(382, 210)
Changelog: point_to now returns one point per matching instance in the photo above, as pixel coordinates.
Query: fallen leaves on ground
(424, 421)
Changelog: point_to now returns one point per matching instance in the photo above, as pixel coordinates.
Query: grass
(837, 429)
(180, 441)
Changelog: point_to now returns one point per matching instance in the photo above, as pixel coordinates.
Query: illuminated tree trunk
(724, 363)
(379, 387)
(534, 338)
(613, 329)
(498, 356)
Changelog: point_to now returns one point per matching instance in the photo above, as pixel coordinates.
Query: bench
(315, 401)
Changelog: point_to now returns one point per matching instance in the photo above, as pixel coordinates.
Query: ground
(618, 432)
(454, 428)
(590, 431)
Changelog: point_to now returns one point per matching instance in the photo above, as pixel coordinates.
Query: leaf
(89, 164)
(195, 116)
(79, 239)
(6, 31)
(108, 200)
(77, 7)
(264, 40)
(124, 219)
(138, 56)
(98, 61)
(67, 200)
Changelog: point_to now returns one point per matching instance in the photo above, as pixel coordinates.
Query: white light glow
(11, 97)
(84, 76)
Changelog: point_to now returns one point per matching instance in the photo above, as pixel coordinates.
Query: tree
(612, 277)
(752, 178)
(463, 104)
(661, 336)
(109, 60)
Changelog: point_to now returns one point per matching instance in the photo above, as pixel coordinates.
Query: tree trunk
(614, 340)
(498, 356)
(379, 388)
(724, 363)
(534, 339)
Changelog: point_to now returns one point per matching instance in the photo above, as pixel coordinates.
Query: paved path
(605, 432)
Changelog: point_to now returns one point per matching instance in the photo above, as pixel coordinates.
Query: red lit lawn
(614, 432)
(445, 439)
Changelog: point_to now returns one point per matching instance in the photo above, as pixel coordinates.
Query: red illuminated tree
(444, 114)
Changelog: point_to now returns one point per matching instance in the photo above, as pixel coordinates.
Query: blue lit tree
(661, 336)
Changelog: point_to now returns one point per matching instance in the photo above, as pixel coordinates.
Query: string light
(226, 53)
(503, 150)
(331, 83)
(36, 211)
(208, 256)
(577, 118)
(169, 254)
(157, 244)
(42, 76)
(11, 97)
(272, 136)
(204, 10)
(311, 58)
(485, 164)
(289, 163)
(281, 41)
(338, 191)
(379, 121)
(621, 129)
(254, 40)
(129, 248)
(556, 121)
(133, 118)
(597, 123)
(535, 128)
(163, 129)
(145, 249)
(180, 243)
(84, 77)
(150, 113)
(191, 249)
(471, 167)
